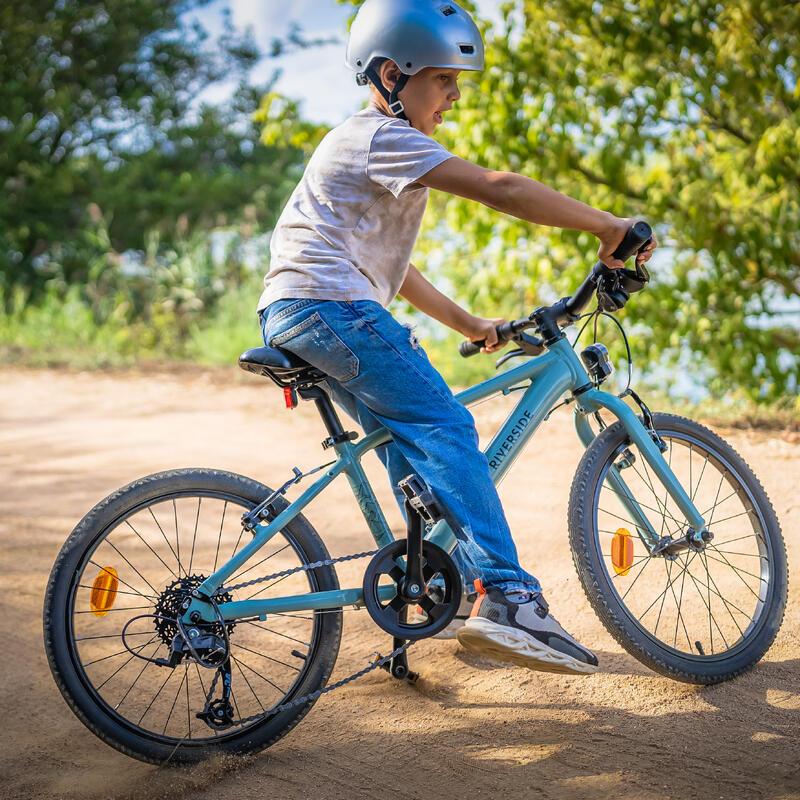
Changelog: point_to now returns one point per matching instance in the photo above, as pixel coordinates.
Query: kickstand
(398, 666)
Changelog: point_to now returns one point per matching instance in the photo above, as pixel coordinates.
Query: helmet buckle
(396, 108)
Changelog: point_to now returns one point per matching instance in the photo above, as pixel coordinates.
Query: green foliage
(159, 304)
(96, 109)
(684, 113)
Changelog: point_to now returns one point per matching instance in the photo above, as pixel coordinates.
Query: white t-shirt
(348, 229)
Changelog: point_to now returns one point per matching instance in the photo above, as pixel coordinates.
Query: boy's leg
(396, 465)
(370, 354)
(362, 347)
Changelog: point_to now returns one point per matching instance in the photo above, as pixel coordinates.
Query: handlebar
(569, 308)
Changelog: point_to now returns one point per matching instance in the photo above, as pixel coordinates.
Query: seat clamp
(347, 436)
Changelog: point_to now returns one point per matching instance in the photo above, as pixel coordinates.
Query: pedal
(420, 498)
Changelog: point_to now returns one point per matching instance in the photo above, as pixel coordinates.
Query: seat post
(336, 433)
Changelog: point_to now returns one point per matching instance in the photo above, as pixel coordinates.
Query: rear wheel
(138, 553)
(698, 615)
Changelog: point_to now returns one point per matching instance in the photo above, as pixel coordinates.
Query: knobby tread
(580, 523)
(102, 515)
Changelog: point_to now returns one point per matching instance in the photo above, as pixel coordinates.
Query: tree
(96, 106)
(686, 113)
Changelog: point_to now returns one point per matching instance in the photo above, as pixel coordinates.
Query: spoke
(219, 538)
(238, 575)
(702, 472)
(188, 707)
(147, 545)
(716, 497)
(135, 649)
(635, 563)
(707, 605)
(269, 586)
(733, 516)
(269, 658)
(638, 502)
(256, 672)
(172, 707)
(277, 633)
(155, 696)
(241, 671)
(664, 513)
(638, 575)
(680, 615)
(727, 604)
(724, 560)
(128, 690)
(124, 582)
(111, 636)
(737, 539)
(121, 608)
(663, 598)
(191, 555)
(119, 591)
(724, 499)
(236, 546)
(177, 537)
(114, 655)
(169, 544)
(747, 555)
(658, 597)
(736, 572)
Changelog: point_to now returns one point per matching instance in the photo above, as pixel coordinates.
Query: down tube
(526, 417)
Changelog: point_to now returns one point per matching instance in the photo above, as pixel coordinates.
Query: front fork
(696, 534)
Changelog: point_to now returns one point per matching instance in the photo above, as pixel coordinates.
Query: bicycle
(159, 629)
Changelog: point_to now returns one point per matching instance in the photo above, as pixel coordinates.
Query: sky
(318, 76)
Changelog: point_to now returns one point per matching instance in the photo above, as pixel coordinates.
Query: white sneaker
(522, 633)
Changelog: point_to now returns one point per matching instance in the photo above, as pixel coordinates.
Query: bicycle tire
(690, 662)
(93, 532)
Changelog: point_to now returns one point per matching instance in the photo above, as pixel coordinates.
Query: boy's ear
(389, 73)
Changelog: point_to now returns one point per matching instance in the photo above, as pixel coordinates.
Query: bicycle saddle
(280, 365)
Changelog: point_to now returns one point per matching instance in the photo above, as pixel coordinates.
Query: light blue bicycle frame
(549, 376)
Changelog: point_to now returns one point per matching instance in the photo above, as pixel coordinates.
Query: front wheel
(109, 617)
(700, 615)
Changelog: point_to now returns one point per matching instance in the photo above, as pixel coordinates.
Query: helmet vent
(467, 49)
(447, 10)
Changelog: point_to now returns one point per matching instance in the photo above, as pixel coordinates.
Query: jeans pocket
(316, 342)
(293, 307)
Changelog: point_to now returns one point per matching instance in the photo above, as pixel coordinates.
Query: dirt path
(470, 728)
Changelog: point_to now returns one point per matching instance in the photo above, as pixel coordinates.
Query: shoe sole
(451, 631)
(507, 644)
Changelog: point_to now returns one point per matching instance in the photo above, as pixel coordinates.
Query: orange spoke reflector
(622, 551)
(104, 591)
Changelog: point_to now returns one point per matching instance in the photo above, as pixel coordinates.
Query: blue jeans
(381, 376)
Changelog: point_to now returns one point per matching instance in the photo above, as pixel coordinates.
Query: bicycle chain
(315, 694)
(379, 662)
(286, 572)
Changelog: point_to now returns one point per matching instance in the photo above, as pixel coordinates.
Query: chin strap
(395, 104)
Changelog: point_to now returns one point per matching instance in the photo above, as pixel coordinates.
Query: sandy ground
(470, 727)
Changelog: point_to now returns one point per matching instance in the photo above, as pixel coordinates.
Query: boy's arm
(532, 201)
(422, 294)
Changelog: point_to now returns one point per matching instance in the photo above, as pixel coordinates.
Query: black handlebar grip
(636, 236)
(467, 349)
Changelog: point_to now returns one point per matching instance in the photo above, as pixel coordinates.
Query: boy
(339, 255)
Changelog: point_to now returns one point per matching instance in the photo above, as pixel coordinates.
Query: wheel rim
(160, 703)
(704, 606)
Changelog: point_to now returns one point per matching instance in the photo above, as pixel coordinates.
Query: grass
(62, 333)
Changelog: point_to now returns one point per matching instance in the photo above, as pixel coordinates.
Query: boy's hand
(610, 238)
(479, 328)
